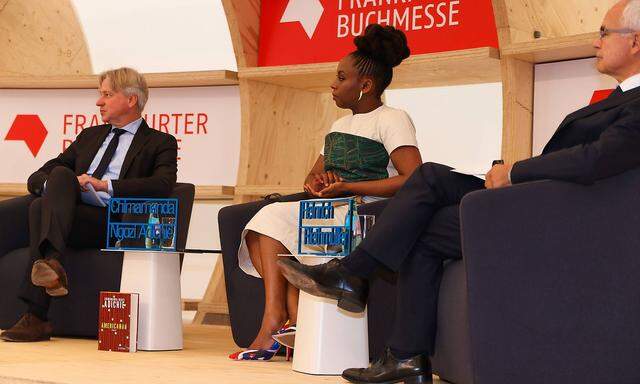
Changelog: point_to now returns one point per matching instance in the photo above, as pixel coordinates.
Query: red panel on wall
(315, 31)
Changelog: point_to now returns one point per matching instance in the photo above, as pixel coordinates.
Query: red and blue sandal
(286, 335)
(256, 354)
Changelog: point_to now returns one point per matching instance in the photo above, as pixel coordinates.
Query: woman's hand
(337, 189)
(311, 186)
(315, 182)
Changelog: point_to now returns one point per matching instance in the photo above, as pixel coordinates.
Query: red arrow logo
(28, 128)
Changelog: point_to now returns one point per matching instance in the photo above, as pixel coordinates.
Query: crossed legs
(281, 298)
(56, 220)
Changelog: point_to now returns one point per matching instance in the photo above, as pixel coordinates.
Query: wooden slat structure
(203, 192)
(553, 49)
(154, 80)
(470, 66)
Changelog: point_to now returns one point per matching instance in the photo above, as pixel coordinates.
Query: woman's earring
(360, 98)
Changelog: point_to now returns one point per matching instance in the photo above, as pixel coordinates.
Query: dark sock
(402, 355)
(360, 263)
(38, 311)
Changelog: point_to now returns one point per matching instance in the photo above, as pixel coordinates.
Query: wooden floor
(203, 360)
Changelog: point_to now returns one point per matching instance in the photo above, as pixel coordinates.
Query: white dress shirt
(113, 170)
(630, 83)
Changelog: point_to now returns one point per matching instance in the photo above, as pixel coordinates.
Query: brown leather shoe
(49, 274)
(28, 328)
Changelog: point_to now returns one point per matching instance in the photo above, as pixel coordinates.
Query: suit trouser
(56, 220)
(416, 232)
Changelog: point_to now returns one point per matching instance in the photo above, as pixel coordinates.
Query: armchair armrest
(553, 272)
(14, 223)
(185, 194)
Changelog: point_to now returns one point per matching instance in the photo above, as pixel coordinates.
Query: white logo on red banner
(306, 12)
(329, 26)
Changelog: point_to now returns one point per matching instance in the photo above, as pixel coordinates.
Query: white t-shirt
(391, 127)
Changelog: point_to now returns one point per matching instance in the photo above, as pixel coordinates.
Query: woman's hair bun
(386, 45)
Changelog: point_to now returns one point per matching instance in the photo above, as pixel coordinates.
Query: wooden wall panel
(282, 132)
(502, 22)
(243, 17)
(554, 18)
(517, 94)
(41, 38)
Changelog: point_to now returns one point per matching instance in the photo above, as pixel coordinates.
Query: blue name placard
(325, 226)
(142, 224)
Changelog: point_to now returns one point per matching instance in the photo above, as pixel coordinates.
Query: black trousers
(417, 231)
(56, 220)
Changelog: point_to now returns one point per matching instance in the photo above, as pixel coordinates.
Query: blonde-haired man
(123, 157)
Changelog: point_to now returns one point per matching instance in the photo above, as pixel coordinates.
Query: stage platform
(203, 360)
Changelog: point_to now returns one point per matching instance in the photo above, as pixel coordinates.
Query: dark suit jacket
(149, 168)
(593, 143)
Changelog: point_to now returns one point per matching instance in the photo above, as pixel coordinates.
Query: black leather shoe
(330, 280)
(387, 370)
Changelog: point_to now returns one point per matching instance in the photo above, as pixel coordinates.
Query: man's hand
(315, 182)
(498, 176)
(336, 189)
(98, 185)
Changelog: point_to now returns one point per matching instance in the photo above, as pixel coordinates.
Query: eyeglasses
(604, 31)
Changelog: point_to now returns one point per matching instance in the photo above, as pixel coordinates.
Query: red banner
(314, 31)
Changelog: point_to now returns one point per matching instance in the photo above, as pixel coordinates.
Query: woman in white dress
(368, 154)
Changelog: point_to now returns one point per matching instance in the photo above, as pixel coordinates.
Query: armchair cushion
(14, 223)
(553, 273)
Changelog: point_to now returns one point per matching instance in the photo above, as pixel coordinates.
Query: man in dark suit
(413, 236)
(121, 158)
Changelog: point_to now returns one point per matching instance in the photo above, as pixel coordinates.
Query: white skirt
(279, 221)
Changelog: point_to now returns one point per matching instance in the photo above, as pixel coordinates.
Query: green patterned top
(355, 158)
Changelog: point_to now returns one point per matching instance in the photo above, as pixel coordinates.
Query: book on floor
(118, 322)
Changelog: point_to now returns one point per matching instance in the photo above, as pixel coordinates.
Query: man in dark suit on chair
(123, 157)
(413, 236)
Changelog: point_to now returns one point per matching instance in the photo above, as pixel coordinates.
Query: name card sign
(325, 227)
(142, 224)
(314, 31)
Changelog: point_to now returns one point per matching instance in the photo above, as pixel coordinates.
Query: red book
(118, 322)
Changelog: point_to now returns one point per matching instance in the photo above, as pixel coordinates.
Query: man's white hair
(631, 15)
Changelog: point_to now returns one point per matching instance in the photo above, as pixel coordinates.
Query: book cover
(118, 322)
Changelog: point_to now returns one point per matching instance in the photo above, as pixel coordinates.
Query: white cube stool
(328, 339)
(155, 275)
